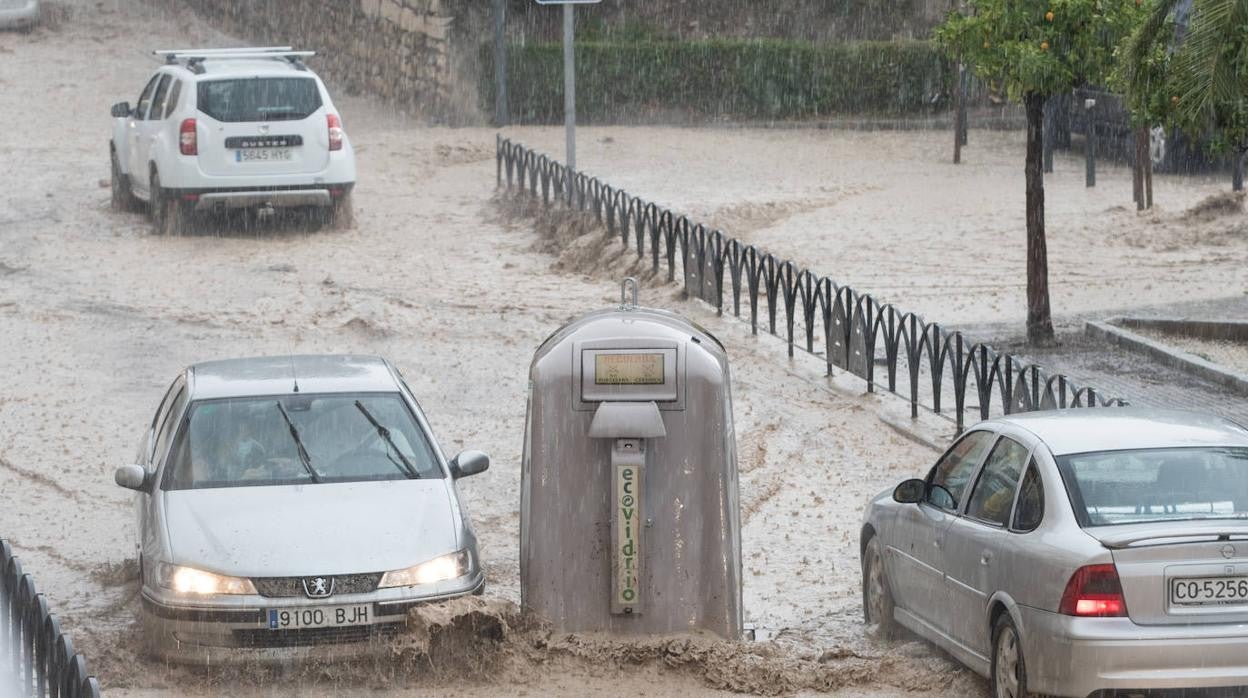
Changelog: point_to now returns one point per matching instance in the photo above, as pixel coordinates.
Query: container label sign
(628, 369)
(626, 527)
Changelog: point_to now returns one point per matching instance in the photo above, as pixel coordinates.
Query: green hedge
(720, 78)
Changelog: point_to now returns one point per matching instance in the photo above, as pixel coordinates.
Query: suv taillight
(1094, 591)
(188, 142)
(335, 131)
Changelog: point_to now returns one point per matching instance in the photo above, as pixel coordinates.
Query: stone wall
(399, 50)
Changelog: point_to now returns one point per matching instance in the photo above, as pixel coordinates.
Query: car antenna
(293, 375)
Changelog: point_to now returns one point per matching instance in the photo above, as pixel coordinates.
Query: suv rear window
(259, 99)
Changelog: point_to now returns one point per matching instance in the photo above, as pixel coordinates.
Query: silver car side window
(1029, 511)
(167, 428)
(158, 418)
(993, 495)
(953, 471)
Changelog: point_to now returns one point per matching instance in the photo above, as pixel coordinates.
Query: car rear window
(1170, 484)
(259, 99)
(247, 442)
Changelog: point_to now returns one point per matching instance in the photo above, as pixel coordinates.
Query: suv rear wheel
(169, 215)
(342, 214)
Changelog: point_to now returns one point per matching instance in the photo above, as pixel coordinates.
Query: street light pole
(569, 85)
(500, 63)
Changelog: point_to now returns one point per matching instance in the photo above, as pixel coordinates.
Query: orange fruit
(1044, 46)
(1049, 15)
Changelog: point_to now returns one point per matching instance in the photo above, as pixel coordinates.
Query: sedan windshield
(1169, 484)
(300, 439)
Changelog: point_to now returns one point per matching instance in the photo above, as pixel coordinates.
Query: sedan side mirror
(910, 492)
(469, 463)
(121, 110)
(131, 477)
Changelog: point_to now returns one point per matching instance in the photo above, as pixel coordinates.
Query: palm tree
(1206, 79)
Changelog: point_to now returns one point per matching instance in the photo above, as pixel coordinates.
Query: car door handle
(985, 559)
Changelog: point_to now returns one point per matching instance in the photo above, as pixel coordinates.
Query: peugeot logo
(1228, 551)
(264, 128)
(318, 587)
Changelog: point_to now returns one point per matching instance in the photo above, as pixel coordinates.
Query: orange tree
(1032, 50)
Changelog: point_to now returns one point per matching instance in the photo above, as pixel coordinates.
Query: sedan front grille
(307, 637)
(284, 587)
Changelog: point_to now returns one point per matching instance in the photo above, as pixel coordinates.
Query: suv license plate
(262, 154)
(318, 617)
(1198, 591)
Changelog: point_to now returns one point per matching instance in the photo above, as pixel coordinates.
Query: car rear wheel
(1009, 670)
(122, 198)
(877, 600)
(342, 214)
(169, 216)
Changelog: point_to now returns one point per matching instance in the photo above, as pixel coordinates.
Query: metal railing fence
(855, 332)
(36, 658)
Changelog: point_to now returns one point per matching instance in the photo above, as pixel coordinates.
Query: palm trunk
(1039, 314)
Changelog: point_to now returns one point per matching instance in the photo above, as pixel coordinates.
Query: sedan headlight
(439, 569)
(188, 580)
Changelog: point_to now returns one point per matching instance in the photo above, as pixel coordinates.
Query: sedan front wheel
(877, 598)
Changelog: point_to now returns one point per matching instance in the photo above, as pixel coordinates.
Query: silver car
(18, 14)
(1072, 552)
(290, 502)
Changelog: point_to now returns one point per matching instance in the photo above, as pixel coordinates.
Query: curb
(1224, 330)
(1183, 361)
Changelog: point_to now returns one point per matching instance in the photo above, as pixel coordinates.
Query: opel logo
(318, 587)
(1228, 551)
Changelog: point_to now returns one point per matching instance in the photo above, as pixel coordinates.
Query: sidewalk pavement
(1135, 377)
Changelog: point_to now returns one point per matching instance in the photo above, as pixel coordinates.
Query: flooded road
(887, 213)
(97, 315)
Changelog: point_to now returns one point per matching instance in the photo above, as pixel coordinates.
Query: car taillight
(335, 131)
(188, 142)
(1094, 591)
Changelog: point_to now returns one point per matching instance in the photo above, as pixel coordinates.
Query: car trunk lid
(262, 126)
(1181, 572)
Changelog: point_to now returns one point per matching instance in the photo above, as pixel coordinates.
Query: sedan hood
(297, 530)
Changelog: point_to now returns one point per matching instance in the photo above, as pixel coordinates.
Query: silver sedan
(1073, 552)
(290, 502)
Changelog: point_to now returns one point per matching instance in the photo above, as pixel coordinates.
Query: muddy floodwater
(97, 315)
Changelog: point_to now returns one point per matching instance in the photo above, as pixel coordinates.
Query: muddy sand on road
(888, 213)
(97, 315)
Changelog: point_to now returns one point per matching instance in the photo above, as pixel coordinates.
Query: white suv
(222, 129)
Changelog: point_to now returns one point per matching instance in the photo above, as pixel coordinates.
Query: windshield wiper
(407, 467)
(303, 452)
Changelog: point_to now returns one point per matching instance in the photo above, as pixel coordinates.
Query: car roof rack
(195, 57)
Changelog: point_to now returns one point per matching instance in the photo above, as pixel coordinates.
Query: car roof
(251, 66)
(1081, 430)
(213, 69)
(278, 375)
